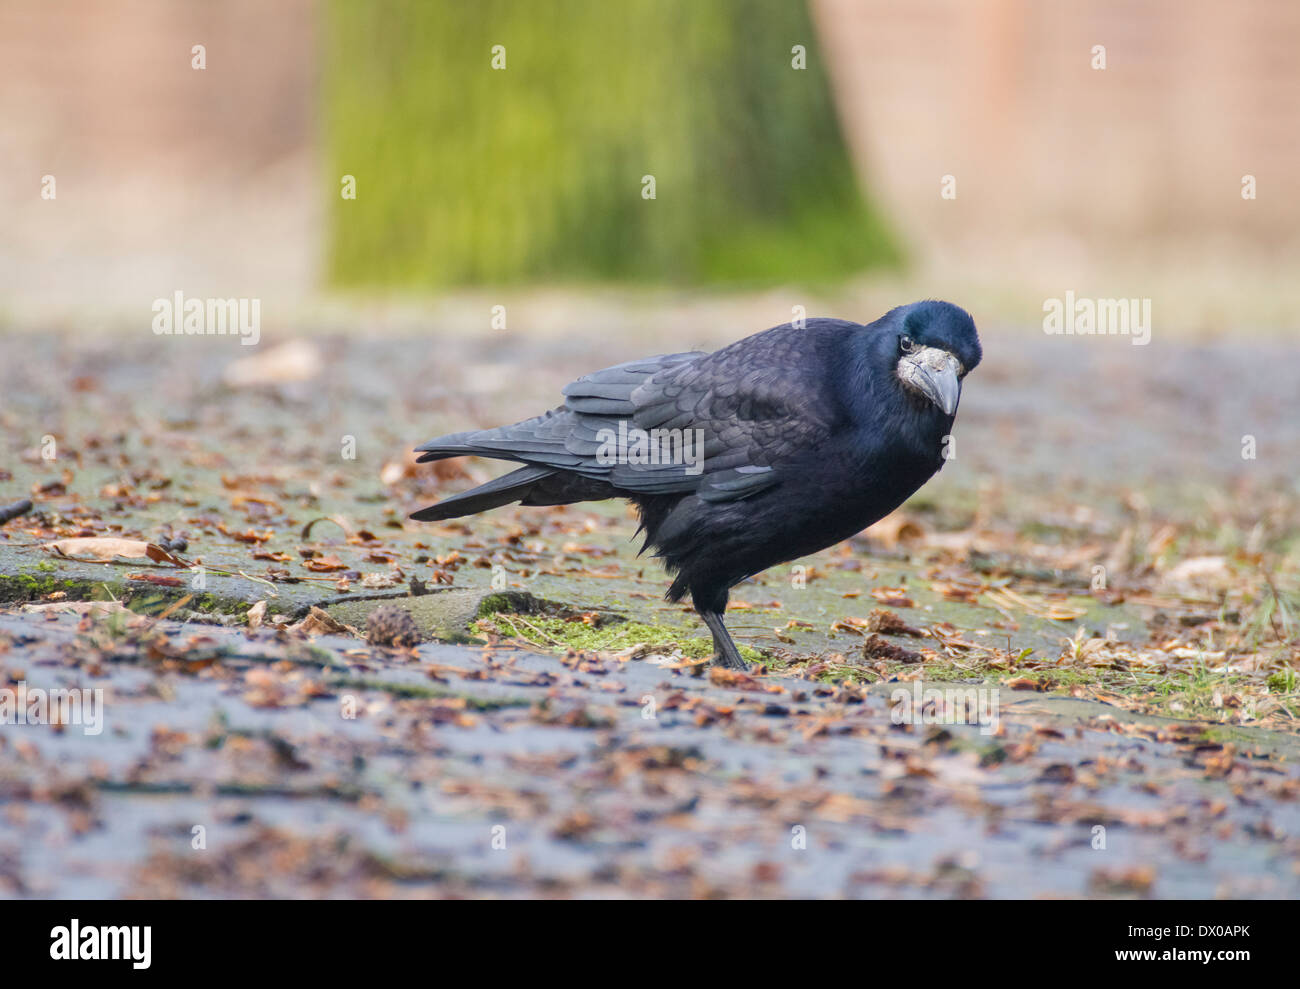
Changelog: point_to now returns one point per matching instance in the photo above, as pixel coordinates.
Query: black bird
(767, 450)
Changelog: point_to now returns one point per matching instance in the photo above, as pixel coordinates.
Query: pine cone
(392, 625)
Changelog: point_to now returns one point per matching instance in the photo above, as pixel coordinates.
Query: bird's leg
(727, 653)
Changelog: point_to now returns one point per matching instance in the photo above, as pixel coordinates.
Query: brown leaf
(888, 622)
(1057, 772)
(1024, 683)
(320, 622)
(81, 608)
(895, 597)
(894, 529)
(722, 677)
(256, 614)
(956, 592)
(877, 648)
(325, 564)
(247, 536)
(337, 520)
(108, 549)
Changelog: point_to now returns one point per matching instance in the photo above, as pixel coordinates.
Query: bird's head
(933, 347)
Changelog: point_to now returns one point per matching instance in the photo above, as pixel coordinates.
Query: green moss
(152, 601)
(562, 634)
(217, 605)
(515, 603)
(1282, 682)
(23, 587)
(1187, 695)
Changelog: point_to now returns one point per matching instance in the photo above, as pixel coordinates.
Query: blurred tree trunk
(467, 174)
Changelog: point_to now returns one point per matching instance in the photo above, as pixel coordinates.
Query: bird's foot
(725, 652)
(729, 658)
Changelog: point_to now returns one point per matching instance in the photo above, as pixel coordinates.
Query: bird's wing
(544, 439)
(742, 412)
(738, 413)
(609, 391)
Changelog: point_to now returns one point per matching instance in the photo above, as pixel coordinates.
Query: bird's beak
(934, 373)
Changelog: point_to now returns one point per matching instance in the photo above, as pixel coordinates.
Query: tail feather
(544, 434)
(453, 445)
(510, 487)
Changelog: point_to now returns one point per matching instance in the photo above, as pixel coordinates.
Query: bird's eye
(906, 344)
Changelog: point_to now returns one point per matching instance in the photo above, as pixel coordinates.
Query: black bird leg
(726, 652)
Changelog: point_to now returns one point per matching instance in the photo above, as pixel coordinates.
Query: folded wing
(727, 422)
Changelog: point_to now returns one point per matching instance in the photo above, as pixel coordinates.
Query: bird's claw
(730, 661)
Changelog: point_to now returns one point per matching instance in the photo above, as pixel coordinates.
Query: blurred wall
(166, 177)
(1053, 158)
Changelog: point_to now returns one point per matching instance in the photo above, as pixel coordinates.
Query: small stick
(21, 507)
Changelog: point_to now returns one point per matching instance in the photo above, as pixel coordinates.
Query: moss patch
(21, 588)
(24, 588)
(562, 634)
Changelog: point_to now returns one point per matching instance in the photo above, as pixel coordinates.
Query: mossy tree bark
(469, 174)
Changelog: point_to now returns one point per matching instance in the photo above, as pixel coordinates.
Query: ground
(1108, 571)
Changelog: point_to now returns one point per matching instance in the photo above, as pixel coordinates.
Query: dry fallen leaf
(874, 647)
(320, 622)
(80, 608)
(895, 597)
(1199, 572)
(722, 677)
(888, 622)
(325, 564)
(108, 549)
(1024, 683)
(256, 614)
(956, 592)
(894, 529)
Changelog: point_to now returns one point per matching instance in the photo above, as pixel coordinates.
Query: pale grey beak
(934, 373)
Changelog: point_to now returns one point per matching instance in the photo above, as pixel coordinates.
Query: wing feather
(756, 405)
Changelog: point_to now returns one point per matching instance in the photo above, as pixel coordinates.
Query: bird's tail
(451, 445)
(514, 486)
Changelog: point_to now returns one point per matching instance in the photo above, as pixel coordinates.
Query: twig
(20, 507)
